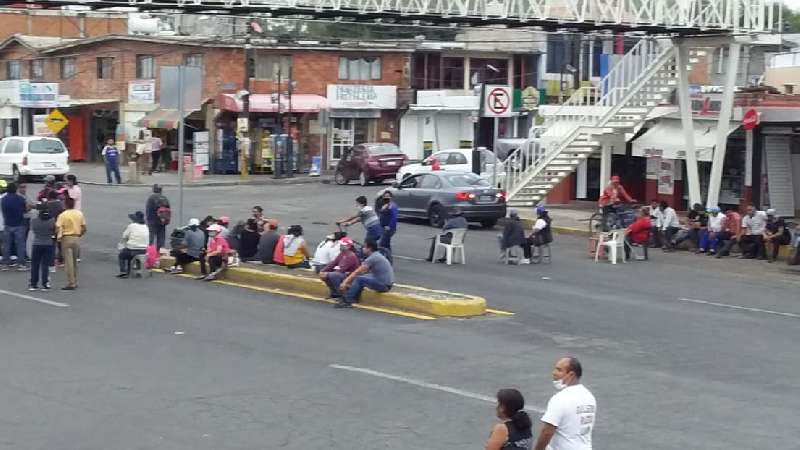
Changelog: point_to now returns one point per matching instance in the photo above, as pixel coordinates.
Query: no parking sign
(497, 101)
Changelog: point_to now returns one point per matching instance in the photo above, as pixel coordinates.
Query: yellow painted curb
(403, 297)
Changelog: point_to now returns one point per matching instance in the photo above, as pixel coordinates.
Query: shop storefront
(360, 113)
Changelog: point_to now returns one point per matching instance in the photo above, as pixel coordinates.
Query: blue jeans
(359, 283)
(41, 260)
(112, 166)
(374, 232)
(386, 239)
(333, 280)
(19, 238)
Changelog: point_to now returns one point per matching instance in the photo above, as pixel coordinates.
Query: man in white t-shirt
(571, 413)
(753, 225)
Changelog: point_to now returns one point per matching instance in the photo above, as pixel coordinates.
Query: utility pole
(476, 155)
(244, 151)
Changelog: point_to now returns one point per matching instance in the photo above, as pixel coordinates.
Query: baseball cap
(771, 212)
(194, 222)
(346, 241)
(214, 227)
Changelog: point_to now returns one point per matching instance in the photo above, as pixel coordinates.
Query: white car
(458, 159)
(33, 156)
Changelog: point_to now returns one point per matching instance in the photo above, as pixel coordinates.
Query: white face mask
(559, 384)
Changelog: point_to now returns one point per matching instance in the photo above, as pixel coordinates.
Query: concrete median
(402, 297)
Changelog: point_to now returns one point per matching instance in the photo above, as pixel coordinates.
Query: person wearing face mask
(217, 254)
(388, 215)
(514, 430)
(571, 413)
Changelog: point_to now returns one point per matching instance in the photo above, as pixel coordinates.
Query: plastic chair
(614, 246)
(455, 247)
(138, 267)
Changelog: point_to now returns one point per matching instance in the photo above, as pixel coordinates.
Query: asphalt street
(682, 351)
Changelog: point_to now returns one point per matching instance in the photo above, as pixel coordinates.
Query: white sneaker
(52, 269)
(524, 261)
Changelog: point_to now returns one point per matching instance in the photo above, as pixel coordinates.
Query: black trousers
(752, 246)
(443, 238)
(182, 259)
(156, 157)
(158, 234)
(125, 257)
(214, 263)
(669, 233)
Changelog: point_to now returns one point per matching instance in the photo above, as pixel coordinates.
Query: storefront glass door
(346, 133)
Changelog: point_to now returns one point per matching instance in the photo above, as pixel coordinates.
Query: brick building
(109, 86)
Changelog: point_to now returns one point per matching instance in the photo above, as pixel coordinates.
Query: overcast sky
(794, 4)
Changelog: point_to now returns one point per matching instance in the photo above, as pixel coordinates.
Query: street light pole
(245, 114)
(476, 155)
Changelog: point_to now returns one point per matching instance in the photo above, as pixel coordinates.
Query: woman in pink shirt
(73, 190)
(217, 253)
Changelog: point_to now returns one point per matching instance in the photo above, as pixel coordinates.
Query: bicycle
(616, 218)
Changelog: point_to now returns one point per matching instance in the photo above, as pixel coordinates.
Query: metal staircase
(640, 81)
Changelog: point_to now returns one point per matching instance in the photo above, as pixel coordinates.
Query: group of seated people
(514, 234)
(258, 240)
(712, 231)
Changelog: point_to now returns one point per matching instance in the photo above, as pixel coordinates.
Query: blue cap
(541, 209)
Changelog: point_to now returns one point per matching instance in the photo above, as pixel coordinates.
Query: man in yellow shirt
(70, 227)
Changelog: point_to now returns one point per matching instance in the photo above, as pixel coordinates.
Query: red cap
(346, 241)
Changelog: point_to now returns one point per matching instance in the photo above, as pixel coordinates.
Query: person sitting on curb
(731, 232)
(217, 254)
(670, 225)
(295, 250)
(134, 242)
(267, 243)
(751, 238)
(638, 233)
(327, 251)
(346, 262)
(375, 273)
(248, 240)
(710, 237)
(455, 221)
(513, 235)
(775, 234)
(190, 248)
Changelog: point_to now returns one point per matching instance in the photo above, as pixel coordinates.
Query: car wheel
(436, 216)
(362, 178)
(488, 223)
(340, 179)
(15, 175)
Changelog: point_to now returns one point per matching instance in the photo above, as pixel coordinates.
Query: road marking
(394, 312)
(426, 385)
(409, 258)
(499, 312)
(741, 308)
(34, 299)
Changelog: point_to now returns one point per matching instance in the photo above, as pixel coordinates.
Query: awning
(665, 139)
(73, 102)
(301, 103)
(161, 118)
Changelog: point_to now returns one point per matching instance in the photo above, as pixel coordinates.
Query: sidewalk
(572, 218)
(95, 174)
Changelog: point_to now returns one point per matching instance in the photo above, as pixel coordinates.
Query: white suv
(35, 156)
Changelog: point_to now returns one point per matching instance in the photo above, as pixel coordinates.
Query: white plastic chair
(455, 247)
(614, 246)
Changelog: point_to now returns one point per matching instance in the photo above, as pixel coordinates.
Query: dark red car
(369, 162)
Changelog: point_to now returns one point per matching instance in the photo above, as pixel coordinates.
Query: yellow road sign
(56, 121)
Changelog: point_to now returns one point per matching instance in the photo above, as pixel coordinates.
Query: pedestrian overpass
(649, 16)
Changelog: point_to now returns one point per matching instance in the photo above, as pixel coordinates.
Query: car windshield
(46, 146)
(466, 180)
(382, 149)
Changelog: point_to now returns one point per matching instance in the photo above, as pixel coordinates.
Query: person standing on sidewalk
(43, 249)
(155, 154)
(388, 216)
(14, 207)
(571, 413)
(70, 227)
(158, 215)
(110, 155)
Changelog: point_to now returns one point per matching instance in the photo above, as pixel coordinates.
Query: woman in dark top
(44, 230)
(514, 430)
(248, 240)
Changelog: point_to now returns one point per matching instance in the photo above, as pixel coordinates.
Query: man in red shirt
(731, 233)
(346, 262)
(638, 233)
(613, 194)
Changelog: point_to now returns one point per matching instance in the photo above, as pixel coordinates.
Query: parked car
(432, 195)
(33, 156)
(369, 162)
(459, 160)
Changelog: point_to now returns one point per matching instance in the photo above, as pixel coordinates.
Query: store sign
(142, 91)
(353, 96)
(666, 177)
(40, 127)
(750, 119)
(24, 94)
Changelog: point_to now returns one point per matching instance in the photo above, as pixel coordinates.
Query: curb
(268, 182)
(403, 297)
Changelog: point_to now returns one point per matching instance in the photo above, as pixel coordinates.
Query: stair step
(621, 124)
(581, 150)
(560, 167)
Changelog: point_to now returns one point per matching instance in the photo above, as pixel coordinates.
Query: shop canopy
(301, 103)
(161, 118)
(665, 139)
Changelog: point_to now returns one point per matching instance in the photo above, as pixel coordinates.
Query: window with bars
(37, 69)
(105, 68)
(13, 70)
(193, 60)
(145, 67)
(269, 66)
(68, 67)
(361, 68)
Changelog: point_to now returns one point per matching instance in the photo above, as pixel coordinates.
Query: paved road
(170, 363)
